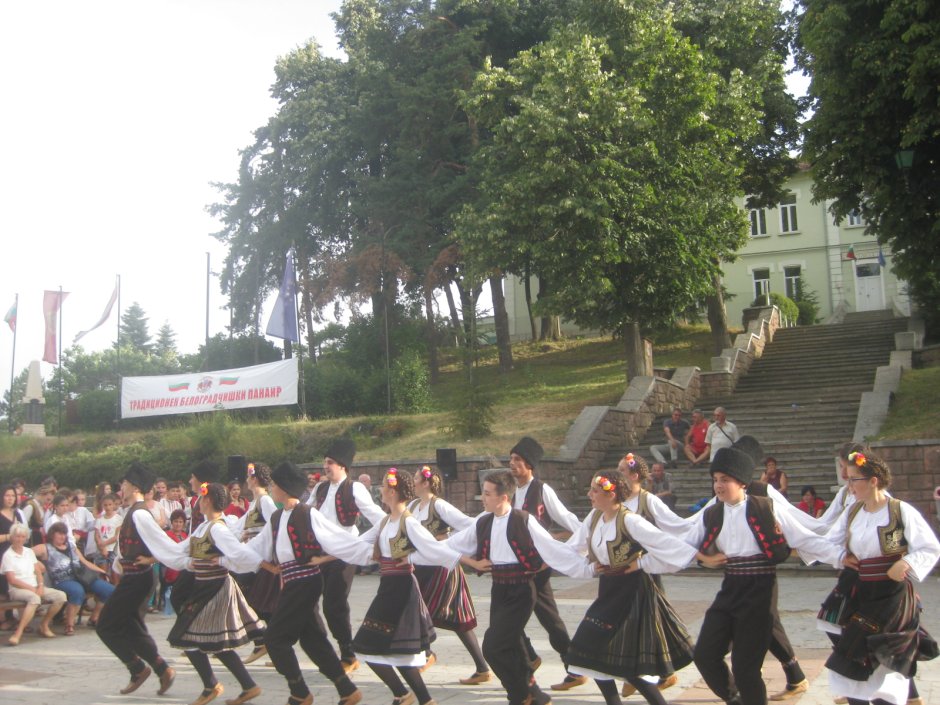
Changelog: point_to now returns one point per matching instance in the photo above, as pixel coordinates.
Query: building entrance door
(869, 289)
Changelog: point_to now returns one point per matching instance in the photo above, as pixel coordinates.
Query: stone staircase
(800, 400)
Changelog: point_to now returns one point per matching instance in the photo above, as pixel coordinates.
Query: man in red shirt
(696, 450)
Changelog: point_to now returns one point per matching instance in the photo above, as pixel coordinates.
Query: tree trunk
(717, 318)
(634, 350)
(501, 319)
(454, 316)
(527, 278)
(306, 305)
(433, 363)
(545, 327)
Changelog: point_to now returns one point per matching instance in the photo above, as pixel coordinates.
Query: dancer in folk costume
(293, 544)
(341, 500)
(874, 610)
(204, 471)
(397, 631)
(540, 500)
(515, 548)
(446, 592)
(754, 534)
(216, 618)
(141, 543)
(261, 588)
(630, 630)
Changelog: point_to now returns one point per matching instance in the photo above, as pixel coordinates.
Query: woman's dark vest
(623, 550)
(255, 517)
(434, 523)
(891, 536)
(347, 511)
(520, 540)
(760, 520)
(303, 542)
(400, 545)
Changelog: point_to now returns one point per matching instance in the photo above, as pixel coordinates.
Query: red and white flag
(104, 316)
(51, 305)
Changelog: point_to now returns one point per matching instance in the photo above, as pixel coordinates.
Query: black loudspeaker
(447, 462)
(237, 469)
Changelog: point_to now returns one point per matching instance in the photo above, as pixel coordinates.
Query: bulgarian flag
(228, 380)
(10, 318)
(178, 386)
(851, 253)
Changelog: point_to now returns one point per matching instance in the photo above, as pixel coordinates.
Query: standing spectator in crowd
(102, 489)
(721, 434)
(101, 543)
(24, 572)
(165, 497)
(774, 476)
(81, 518)
(696, 450)
(661, 485)
(313, 479)
(811, 504)
(238, 505)
(676, 429)
(64, 564)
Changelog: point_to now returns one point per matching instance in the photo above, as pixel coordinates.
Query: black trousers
(546, 611)
(503, 643)
(780, 645)
(337, 582)
(296, 618)
(740, 615)
(121, 623)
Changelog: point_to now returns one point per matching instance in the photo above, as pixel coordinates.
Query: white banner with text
(271, 384)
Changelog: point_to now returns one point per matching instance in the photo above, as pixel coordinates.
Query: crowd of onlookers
(56, 550)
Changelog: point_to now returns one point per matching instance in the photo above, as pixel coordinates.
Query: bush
(411, 388)
(473, 417)
(786, 305)
(96, 409)
(337, 388)
(807, 301)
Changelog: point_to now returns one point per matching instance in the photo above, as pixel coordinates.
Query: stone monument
(34, 402)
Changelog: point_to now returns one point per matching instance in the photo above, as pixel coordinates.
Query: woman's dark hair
(58, 527)
(808, 488)
(850, 447)
(404, 486)
(503, 481)
(61, 497)
(113, 497)
(871, 466)
(770, 459)
(177, 514)
(262, 474)
(3, 491)
(217, 496)
(617, 479)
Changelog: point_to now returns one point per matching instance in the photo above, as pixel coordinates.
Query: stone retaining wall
(915, 468)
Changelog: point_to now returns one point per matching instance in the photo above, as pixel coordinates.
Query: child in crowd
(101, 542)
(83, 521)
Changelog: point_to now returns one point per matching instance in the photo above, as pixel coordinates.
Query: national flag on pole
(851, 253)
(51, 305)
(283, 321)
(881, 257)
(104, 316)
(10, 318)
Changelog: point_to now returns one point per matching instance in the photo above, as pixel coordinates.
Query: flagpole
(16, 303)
(300, 347)
(117, 405)
(208, 274)
(59, 362)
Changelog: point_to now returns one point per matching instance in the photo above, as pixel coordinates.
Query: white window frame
(854, 219)
(758, 222)
(788, 215)
(765, 288)
(787, 279)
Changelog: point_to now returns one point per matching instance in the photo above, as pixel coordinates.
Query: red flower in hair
(426, 472)
(204, 489)
(391, 477)
(858, 458)
(630, 460)
(251, 469)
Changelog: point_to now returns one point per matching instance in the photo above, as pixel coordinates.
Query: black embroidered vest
(132, 546)
(517, 533)
(759, 513)
(300, 533)
(534, 504)
(347, 511)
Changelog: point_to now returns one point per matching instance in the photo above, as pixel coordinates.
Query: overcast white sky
(117, 115)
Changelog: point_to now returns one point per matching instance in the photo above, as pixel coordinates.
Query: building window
(761, 286)
(855, 218)
(788, 222)
(758, 222)
(791, 280)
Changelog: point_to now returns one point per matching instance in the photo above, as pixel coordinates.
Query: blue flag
(283, 321)
(881, 257)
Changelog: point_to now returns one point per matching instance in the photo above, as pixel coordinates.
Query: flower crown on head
(858, 459)
(251, 469)
(426, 472)
(204, 489)
(629, 459)
(604, 483)
(391, 477)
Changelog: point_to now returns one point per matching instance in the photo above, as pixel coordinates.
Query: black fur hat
(206, 471)
(739, 460)
(342, 450)
(289, 478)
(140, 476)
(529, 449)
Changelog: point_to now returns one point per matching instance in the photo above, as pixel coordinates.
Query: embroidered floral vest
(520, 540)
(347, 511)
(204, 546)
(300, 533)
(623, 549)
(891, 535)
(759, 513)
(534, 504)
(400, 544)
(434, 523)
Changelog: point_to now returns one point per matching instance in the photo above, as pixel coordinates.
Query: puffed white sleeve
(557, 554)
(338, 543)
(781, 503)
(559, 513)
(579, 539)
(835, 508)
(811, 546)
(666, 519)
(464, 541)
(453, 517)
(236, 556)
(696, 533)
(430, 551)
(923, 549)
(665, 553)
(268, 507)
(369, 508)
(263, 544)
(164, 549)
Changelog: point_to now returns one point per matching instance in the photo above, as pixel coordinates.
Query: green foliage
(338, 387)
(807, 302)
(97, 409)
(133, 328)
(474, 414)
(229, 353)
(915, 410)
(209, 434)
(787, 306)
(411, 387)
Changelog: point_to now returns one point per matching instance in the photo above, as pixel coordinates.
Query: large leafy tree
(134, 329)
(875, 92)
(613, 167)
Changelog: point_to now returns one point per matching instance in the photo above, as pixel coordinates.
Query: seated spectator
(62, 562)
(811, 504)
(24, 573)
(9, 515)
(696, 450)
(675, 429)
(661, 485)
(774, 476)
(238, 505)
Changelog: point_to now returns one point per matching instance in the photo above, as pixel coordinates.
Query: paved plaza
(80, 671)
